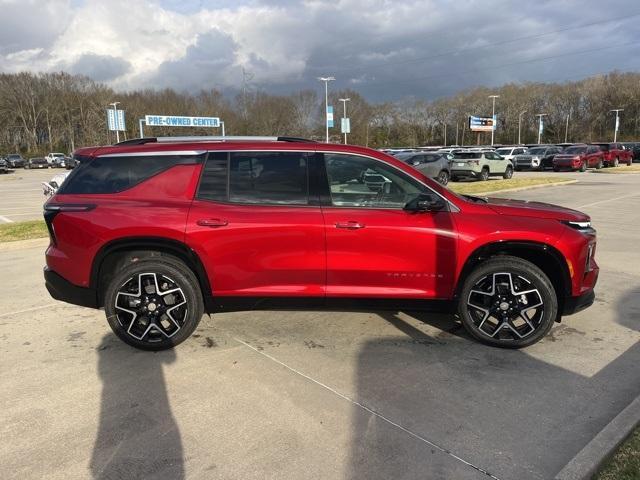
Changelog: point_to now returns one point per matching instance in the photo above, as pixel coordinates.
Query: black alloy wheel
(507, 302)
(154, 303)
(443, 177)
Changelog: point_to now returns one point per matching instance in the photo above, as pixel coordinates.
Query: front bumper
(576, 304)
(65, 291)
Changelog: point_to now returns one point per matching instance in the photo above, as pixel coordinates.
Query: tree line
(60, 112)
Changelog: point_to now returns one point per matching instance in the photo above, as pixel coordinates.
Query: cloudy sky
(384, 49)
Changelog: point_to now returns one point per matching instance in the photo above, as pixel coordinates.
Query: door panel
(374, 247)
(255, 226)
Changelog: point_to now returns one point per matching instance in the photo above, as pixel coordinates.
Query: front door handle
(350, 225)
(212, 222)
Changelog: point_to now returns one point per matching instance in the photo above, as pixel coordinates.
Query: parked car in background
(53, 158)
(537, 158)
(510, 152)
(634, 147)
(433, 165)
(579, 157)
(15, 160)
(4, 166)
(614, 154)
(37, 162)
(480, 165)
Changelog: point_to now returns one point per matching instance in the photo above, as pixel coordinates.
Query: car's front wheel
(507, 302)
(484, 174)
(508, 173)
(154, 303)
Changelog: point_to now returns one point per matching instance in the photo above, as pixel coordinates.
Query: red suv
(159, 231)
(579, 157)
(614, 154)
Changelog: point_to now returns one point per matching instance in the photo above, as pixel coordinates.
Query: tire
(556, 169)
(453, 178)
(484, 174)
(159, 322)
(443, 177)
(616, 162)
(508, 173)
(583, 166)
(599, 165)
(504, 275)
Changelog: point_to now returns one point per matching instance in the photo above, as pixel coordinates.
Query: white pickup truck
(55, 159)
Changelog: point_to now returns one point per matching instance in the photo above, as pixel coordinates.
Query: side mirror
(425, 202)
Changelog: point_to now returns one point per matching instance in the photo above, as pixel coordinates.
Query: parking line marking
(33, 309)
(609, 200)
(5, 219)
(369, 410)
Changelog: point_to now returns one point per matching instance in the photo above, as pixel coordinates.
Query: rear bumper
(576, 304)
(65, 291)
(464, 173)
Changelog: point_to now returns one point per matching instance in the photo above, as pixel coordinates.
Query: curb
(518, 189)
(21, 244)
(589, 460)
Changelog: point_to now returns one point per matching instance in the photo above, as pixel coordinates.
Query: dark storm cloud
(100, 67)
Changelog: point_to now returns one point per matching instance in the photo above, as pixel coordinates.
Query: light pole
(326, 81)
(566, 129)
(519, 123)
(615, 131)
(140, 122)
(115, 120)
(344, 114)
(540, 115)
(493, 115)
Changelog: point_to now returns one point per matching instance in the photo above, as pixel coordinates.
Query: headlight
(583, 227)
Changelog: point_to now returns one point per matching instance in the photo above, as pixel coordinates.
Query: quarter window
(363, 182)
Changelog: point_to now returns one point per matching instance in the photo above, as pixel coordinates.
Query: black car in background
(37, 162)
(537, 158)
(15, 160)
(635, 150)
(4, 166)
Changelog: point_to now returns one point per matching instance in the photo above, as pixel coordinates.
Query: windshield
(603, 146)
(465, 155)
(537, 151)
(571, 150)
(13, 156)
(504, 151)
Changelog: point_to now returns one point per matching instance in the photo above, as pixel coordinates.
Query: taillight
(53, 209)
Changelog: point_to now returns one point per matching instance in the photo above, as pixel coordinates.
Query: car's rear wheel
(507, 302)
(508, 173)
(484, 174)
(154, 303)
(443, 177)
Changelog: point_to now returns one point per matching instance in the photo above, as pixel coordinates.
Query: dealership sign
(175, 121)
(482, 124)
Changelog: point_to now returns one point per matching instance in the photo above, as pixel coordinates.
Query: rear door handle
(212, 222)
(350, 225)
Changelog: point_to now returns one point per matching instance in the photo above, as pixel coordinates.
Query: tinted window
(573, 150)
(363, 182)
(466, 155)
(268, 177)
(116, 174)
(213, 184)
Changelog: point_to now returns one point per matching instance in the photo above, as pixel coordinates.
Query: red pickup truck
(615, 154)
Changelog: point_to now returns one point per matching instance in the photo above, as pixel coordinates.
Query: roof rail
(227, 138)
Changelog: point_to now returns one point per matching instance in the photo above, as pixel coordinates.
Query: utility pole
(493, 115)
(519, 123)
(326, 81)
(540, 115)
(115, 120)
(344, 114)
(615, 131)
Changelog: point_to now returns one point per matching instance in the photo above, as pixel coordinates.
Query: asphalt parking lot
(326, 395)
(21, 194)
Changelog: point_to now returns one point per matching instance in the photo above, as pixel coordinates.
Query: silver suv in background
(431, 164)
(480, 165)
(537, 158)
(510, 152)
